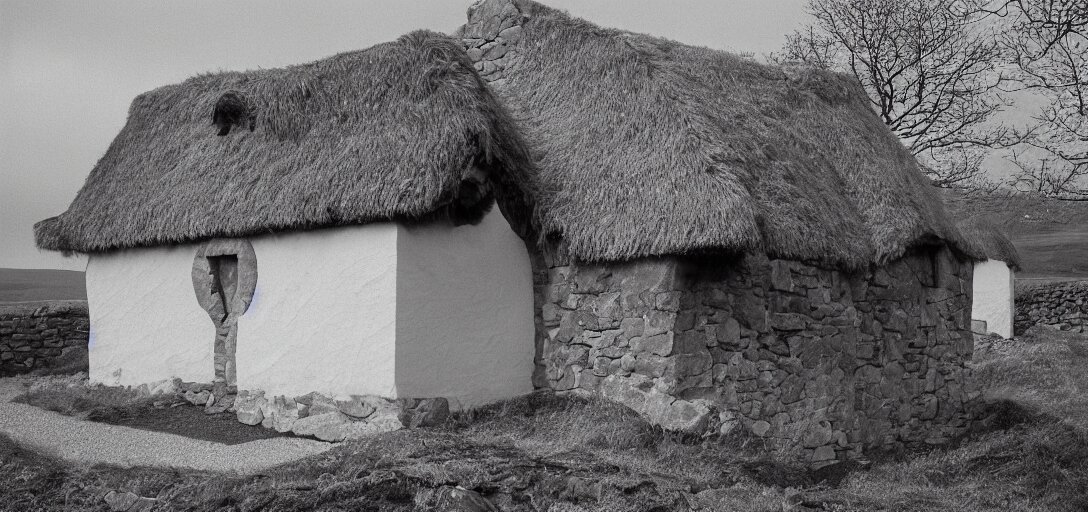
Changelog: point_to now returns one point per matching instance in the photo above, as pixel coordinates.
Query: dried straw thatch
(990, 241)
(390, 132)
(645, 146)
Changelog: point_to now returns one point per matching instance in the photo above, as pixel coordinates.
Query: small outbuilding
(993, 300)
(727, 246)
(322, 228)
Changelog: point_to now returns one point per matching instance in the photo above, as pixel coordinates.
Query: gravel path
(98, 443)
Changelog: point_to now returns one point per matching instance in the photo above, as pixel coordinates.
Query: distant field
(1050, 235)
(20, 285)
(1060, 253)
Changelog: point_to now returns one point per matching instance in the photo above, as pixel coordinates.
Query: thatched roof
(387, 133)
(989, 240)
(645, 146)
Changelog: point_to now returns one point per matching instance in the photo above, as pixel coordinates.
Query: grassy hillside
(1051, 235)
(20, 285)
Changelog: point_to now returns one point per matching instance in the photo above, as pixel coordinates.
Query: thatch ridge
(386, 133)
(990, 241)
(645, 146)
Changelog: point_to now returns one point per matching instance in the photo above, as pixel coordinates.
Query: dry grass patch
(547, 452)
(68, 395)
(129, 407)
(1045, 370)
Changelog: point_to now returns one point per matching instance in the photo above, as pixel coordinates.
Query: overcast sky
(69, 69)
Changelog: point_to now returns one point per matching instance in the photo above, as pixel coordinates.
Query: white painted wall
(464, 313)
(993, 296)
(427, 311)
(145, 322)
(323, 317)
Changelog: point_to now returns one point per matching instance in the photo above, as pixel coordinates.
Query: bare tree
(1049, 176)
(928, 67)
(1048, 43)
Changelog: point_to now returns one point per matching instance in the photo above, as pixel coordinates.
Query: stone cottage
(993, 284)
(322, 228)
(724, 245)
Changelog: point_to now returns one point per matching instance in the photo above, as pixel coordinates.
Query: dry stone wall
(1062, 306)
(34, 335)
(821, 362)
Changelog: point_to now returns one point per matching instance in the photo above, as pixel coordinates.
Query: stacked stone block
(33, 335)
(822, 362)
(1062, 306)
(491, 42)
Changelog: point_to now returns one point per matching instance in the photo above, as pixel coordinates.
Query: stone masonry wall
(814, 360)
(34, 335)
(1062, 305)
(817, 361)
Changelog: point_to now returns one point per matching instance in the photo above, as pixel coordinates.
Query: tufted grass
(1044, 370)
(68, 396)
(570, 453)
(1031, 454)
